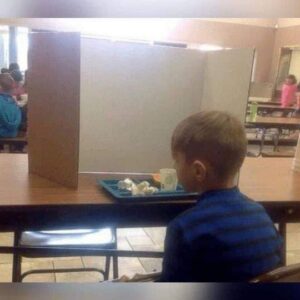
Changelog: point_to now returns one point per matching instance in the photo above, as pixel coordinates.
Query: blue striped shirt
(225, 237)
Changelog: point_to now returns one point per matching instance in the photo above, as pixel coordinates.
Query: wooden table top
(17, 187)
(270, 179)
(275, 122)
(263, 179)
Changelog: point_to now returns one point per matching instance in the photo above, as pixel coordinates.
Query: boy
(226, 236)
(10, 114)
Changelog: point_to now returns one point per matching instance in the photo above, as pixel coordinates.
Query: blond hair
(214, 136)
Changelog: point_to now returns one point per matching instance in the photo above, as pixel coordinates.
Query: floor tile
(6, 239)
(74, 276)
(125, 232)
(293, 257)
(27, 266)
(130, 266)
(293, 241)
(293, 228)
(5, 272)
(140, 241)
(6, 258)
(156, 234)
(150, 264)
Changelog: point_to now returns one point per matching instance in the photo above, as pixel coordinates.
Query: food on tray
(125, 184)
(156, 177)
(140, 189)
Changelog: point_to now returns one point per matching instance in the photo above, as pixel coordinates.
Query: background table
(274, 122)
(273, 108)
(265, 123)
(273, 102)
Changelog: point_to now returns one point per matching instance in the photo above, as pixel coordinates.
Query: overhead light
(206, 47)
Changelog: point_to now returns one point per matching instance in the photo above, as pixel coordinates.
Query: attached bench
(19, 141)
(270, 142)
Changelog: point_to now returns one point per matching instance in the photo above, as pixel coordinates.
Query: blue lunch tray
(111, 186)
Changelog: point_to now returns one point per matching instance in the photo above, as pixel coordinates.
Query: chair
(101, 239)
(289, 273)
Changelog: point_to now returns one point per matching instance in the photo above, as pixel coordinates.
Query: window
(22, 47)
(4, 47)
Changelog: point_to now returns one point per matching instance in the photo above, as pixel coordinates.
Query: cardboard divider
(54, 104)
(124, 99)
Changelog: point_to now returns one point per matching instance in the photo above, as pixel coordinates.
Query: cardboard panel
(54, 100)
(132, 97)
(227, 81)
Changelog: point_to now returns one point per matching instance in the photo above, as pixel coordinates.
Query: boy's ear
(200, 170)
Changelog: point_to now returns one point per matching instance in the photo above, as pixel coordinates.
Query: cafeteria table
(265, 123)
(29, 202)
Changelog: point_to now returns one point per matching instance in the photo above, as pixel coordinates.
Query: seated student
(10, 114)
(14, 66)
(297, 112)
(18, 88)
(4, 70)
(226, 236)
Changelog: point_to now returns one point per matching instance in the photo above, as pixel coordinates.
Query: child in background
(14, 66)
(10, 113)
(298, 100)
(18, 89)
(4, 70)
(288, 91)
(226, 236)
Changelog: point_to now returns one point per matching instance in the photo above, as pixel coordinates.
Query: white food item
(143, 185)
(134, 190)
(125, 184)
(141, 189)
(150, 190)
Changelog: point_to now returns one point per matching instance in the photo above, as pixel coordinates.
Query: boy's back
(225, 237)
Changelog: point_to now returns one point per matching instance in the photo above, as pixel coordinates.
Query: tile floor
(136, 239)
(128, 239)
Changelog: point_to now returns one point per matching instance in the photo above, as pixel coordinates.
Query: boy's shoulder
(215, 207)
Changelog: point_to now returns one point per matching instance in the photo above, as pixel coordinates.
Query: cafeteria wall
(232, 36)
(285, 36)
(133, 96)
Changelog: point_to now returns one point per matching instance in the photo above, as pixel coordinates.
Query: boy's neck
(219, 186)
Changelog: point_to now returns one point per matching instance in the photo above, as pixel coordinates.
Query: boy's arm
(176, 263)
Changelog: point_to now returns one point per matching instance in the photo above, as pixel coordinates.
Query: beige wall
(289, 36)
(231, 35)
(295, 64)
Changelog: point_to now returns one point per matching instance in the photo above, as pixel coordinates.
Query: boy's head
(291, 79)
(6, 82)
(209, 149)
